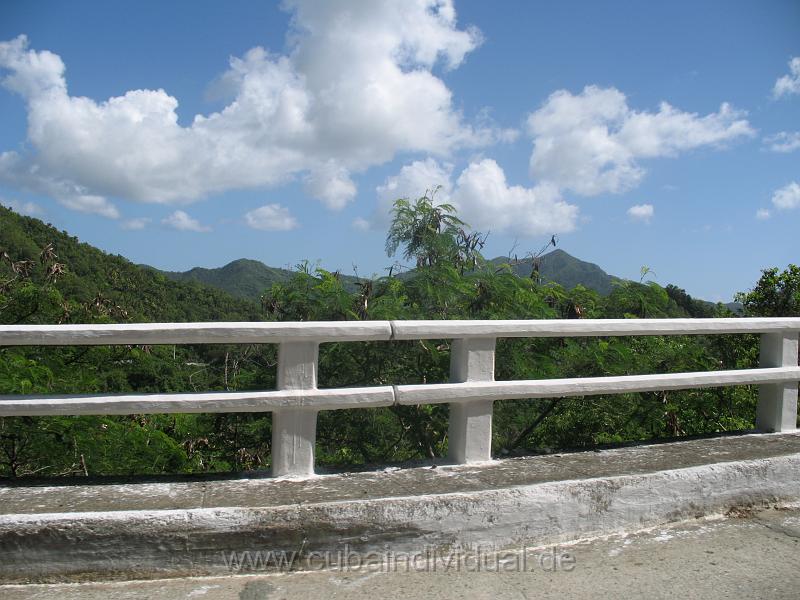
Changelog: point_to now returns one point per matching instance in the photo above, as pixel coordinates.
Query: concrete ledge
(72, 532)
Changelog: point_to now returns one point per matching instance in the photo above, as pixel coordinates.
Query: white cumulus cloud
(270, 217)
(486, 201)
(789, 84)
(787, 197)
(592, 142)
(356, 86)
(784, 141)
(762, 214)
(181, 221)
(331, 184)
(29, 176)
(641, 212)
(482, 196)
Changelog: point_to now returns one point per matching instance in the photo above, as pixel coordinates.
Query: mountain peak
(560, 267)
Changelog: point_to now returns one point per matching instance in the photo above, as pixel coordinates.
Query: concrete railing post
(777, 402)
(294, 430)
(470, 433)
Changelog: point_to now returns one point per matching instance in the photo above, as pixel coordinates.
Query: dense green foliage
(91, 277)
(47, 276)
(776, 294)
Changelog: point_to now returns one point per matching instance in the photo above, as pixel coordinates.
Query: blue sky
(658, 134)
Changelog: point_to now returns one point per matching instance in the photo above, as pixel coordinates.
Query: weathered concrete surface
(184, 527)
(745, 557)
(777, 403)
(470, 428)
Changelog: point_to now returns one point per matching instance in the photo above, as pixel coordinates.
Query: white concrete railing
(471, 393)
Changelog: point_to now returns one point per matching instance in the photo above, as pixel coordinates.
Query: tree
(432, 235)
(694, 307)
(774, 295)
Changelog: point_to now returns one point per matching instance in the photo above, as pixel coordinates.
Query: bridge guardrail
(471, 392)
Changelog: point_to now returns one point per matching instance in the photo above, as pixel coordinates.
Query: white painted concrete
(294, 430)
(750, 556)
(414, 330)
(470, 431)
(192, 333)
(175, 542)
(208, 402)
(588, 386)
(470, 393)
(367, 397)
(328, 331)
(777, 402)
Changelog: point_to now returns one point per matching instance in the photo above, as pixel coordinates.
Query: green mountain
(91, 276)
(249, 279)
(245, 278)
(564, 269)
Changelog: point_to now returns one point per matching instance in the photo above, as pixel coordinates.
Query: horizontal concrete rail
(416, 330)
(588, 386)
(350, 331)
(210, 402)
(470, 393)
(193, 333)
(372, 397)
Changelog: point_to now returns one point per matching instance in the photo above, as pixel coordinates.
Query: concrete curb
(152, 543)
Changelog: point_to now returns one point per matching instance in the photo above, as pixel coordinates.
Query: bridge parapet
(471, 391)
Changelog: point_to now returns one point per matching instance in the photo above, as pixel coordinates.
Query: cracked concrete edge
(129, 544)
(143, 494)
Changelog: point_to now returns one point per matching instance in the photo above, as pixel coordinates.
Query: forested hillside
(84, 275)
(47, 276)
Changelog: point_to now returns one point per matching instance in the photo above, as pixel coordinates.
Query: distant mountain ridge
(203, 294)
(247, 278)
(564, 269)
(244, 277)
